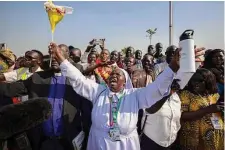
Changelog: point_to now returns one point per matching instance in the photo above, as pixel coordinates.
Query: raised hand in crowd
(93, 67)
(102, 44)
(103, 64)
(91, 45)
(198, 53)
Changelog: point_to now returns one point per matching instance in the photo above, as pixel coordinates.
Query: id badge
(114, 134)
(216, 123)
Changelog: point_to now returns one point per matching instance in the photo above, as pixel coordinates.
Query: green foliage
(151, 31)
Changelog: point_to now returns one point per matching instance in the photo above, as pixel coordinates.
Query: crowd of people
(121, 100)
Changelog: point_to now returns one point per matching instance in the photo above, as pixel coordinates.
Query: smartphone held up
(3, 46)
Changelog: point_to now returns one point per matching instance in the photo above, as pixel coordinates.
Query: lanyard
(114, 109)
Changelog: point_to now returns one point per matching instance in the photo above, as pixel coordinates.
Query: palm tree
(150, 33)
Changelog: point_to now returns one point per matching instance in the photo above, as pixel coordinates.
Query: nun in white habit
(115, 106)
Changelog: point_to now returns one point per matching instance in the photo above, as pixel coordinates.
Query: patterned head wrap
(6, 54)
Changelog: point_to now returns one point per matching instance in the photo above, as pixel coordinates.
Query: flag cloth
(56, 13)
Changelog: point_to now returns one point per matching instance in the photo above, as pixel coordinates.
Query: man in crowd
(158, 55)
(120, 61)
(130, 65)
(75, 55)
(141, 78)
(33, 61)
(145, 76)
(138, 57)
(151, 50)
(64, 124)
(130, 52)
(170, 51)
(114, 56)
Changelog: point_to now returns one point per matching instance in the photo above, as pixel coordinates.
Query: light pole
(170, 23)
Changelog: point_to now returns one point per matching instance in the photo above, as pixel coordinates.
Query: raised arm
(160, 88)
(155, 91)
(82, 85)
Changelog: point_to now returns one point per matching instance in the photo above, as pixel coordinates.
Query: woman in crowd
(202, 127)
(116, 105)
(214, 61)
(102, 69)
(7, 60)
(115, 110)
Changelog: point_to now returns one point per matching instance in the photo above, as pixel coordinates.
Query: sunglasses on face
(30, 58)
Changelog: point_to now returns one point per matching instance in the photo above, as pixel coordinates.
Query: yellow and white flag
(56, 13)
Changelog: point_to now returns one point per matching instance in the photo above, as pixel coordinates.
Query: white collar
(118, 94)
(39, 69)
(58, 74)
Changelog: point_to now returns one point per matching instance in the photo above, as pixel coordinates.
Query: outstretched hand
(198, 53)
(103, 64)
(56, 53)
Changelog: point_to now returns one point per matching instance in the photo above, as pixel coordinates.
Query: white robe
(133, 100)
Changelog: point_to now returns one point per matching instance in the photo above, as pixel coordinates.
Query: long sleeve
(156, 90)
(185, 76)
(82, 85)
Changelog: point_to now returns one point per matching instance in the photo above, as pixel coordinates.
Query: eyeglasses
(30, 58)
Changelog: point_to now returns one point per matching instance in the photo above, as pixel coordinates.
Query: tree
(150, 33)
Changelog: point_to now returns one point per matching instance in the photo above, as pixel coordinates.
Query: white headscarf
(128, 84)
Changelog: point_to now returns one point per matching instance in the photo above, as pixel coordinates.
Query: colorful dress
(200, 134)
(103, 73)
